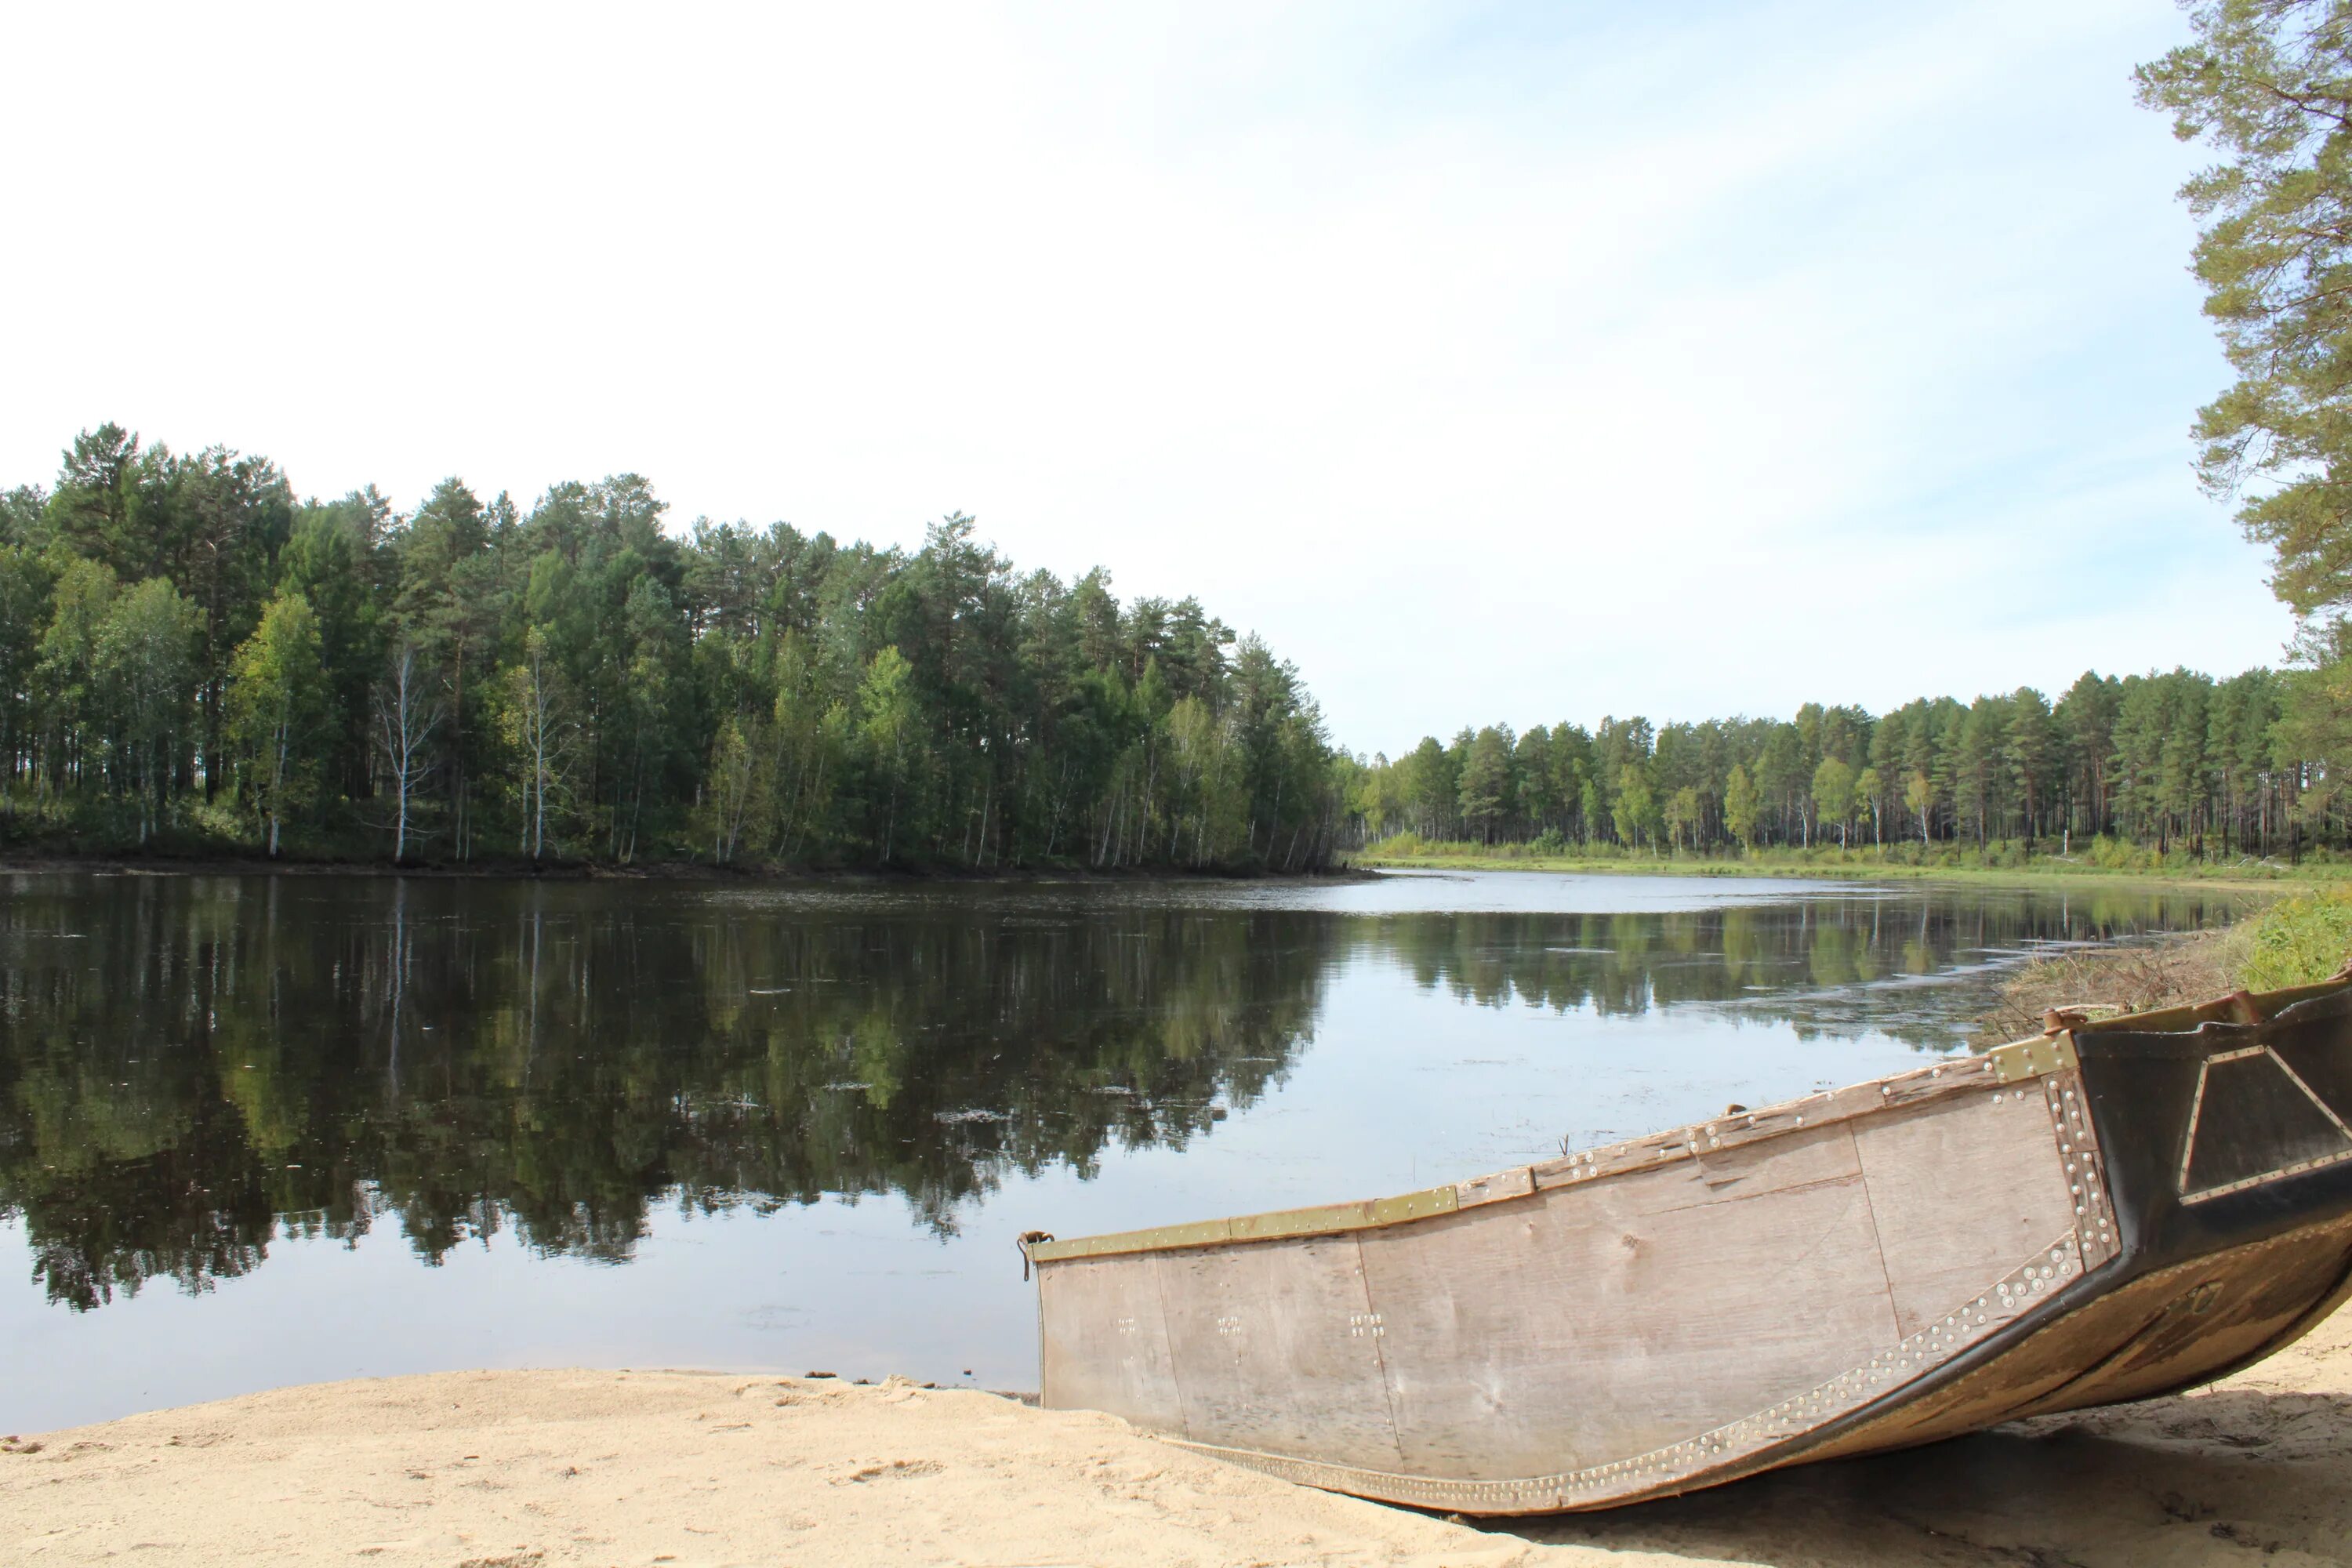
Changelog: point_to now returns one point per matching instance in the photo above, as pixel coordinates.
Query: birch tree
(1742, 808)
(889, 718)
(1834, 793)
(406, 714)
(277, 710)
(537, 725)
(738, 791)
(1919, 798)
(146, 657)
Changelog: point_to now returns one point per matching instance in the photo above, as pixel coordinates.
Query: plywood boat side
(2033, 1229)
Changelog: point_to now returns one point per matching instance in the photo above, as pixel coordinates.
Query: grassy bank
(2006, 860)
(2299, 938)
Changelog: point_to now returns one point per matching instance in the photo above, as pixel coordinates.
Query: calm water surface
(261, 1130)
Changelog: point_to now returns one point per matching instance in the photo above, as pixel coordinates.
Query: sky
(1496, 362)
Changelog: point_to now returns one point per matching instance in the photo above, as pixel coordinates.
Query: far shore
(216, 865)
(536, 1469)
(1862, 867)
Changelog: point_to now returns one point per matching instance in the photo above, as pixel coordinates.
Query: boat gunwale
(2018, 1062)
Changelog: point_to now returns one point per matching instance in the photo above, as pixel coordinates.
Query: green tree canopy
(2268, 84)
(1833, 792)
(1486, 786)
(1741, 807)
(278, 707)
(146, 660)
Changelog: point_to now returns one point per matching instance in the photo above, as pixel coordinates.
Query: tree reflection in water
(192, 1066)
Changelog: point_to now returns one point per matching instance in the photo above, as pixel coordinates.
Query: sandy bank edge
(508, 1468)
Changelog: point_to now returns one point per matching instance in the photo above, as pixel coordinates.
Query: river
(256, 1130)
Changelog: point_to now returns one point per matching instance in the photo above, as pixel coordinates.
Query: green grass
(2298, 940)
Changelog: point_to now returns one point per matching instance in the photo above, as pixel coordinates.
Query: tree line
(189, 654)
(2176, 761)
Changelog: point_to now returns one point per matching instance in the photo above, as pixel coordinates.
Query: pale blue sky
(1495, 362)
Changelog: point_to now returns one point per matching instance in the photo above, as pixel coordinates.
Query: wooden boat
(2110, 1211)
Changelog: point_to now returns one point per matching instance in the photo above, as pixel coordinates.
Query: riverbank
(2004, 864)
(502, 1469)
(212, 865)
(2294, 941)
(1859, 866)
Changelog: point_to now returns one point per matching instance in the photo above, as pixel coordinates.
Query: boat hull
(2105, 1214)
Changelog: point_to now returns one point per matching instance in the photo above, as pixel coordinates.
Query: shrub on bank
(2299, 940)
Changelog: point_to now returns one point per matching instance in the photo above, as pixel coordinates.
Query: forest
(191, 658)
(2161, 761)
(194, 660)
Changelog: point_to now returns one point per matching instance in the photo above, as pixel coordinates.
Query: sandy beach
(500, 1469)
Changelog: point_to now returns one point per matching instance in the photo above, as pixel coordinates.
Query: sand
(476, 1469)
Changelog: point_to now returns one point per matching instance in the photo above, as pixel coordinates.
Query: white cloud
(1495, 364)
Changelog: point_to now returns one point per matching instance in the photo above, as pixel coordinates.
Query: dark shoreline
(651, 871)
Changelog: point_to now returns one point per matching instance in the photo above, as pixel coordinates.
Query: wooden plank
(1324, 1219)
(1762, 1439)
(1276, 1348)
(1105, 1346)
(1737, 1129)
(1608, 1319)
(1517, 1184)
(1918, 1087)
(1961, 1191)
(1198, 1233)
